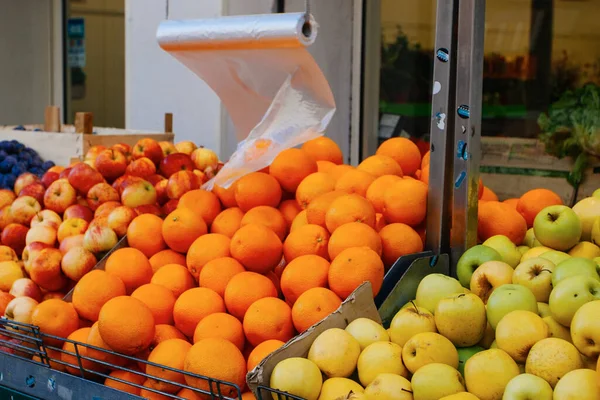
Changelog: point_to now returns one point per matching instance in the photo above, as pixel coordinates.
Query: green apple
(585, 329)
(587, 210)
(473, 258)
(529, 240)
(570, 294)
(557, 227)
(461, 318)
(464, 353)
(575, 266)
(507, 298)
(527, 386)
(555, 256)
(535, 274)
(435, 287)
(595, 235)
(507, 249)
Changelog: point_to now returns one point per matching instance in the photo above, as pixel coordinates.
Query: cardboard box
(359, 304)
(61, 147)
(513, 166)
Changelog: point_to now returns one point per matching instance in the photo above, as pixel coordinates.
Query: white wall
(29, 60)
(156, 83)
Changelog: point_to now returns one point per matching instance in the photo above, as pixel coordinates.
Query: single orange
(355, 181)
(349, 208)
(194, 305)
(426, 159)
(323, 149)
(244, 289)
(312, 306)
(69, 353)
(174, 277)
(353, 234)
(398, 240)
(165, 257)
(267, 216)
(126, 325)
(376, 191)
(93, 291)
(170, 353)
(181, 227)
(226, 195)
(291, 166)
(480, 189)
(303, 273)
(406, 202)
(217, 273)
(299, 221)
(131, 266)
(352, 267)
(94, 339)
(266, 319)
(261, 351)
(201, 202)
(162, 332)
(317, 209)
(512, 202)
(206, 248)
(159, 300)
(534, 201)
(496, 218)
(257, 189)
(325, 166)
(221, 325)
(488, 194)
(404, 152)
(55, 317)
(307, 239)
(380, 165)
(227, 222)
(145, 234)
(424, 176)
(131, 377)
(289, 209)
(257, 248)
(339, 170)
(313, 186)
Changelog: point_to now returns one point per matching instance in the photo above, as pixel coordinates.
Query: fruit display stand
(63, 143)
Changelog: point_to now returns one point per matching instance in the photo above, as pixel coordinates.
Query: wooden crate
(61, 144)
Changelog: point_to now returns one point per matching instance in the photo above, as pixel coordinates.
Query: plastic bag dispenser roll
(275, 93)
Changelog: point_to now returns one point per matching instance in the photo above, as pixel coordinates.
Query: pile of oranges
(232, 274)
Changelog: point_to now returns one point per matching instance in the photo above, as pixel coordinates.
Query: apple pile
(53, 229)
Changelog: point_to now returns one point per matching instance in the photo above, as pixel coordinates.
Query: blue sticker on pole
(76, 42)
(443, 55)
(463, 111)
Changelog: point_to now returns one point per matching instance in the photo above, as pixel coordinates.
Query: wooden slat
(52, 119)
(84, 122)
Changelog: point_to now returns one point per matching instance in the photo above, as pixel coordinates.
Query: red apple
(20, 309)
(111, 164)
(82, 201)
(69, 242)
(161, 192)
(176, 162)
(186, 147)
(30, 251)
(99, 221)
(82, 177)
(45, 269)
(149, 209)
(170, 206)
(123, 148)
(180, 183)
(104, 209)
(6, 197)
(202, 177)
(14, 236)
(167, 148)
(147, 148)
(46, 217)
(138, 194)
(59, 196)
(25, 179)
(120, 218)
(204, 158)
(101, 193)
(126, 181)
(142, 167)
(7, 254)
(94, 151)
(26, 287)
(79, 211)
(5, 217)
(117, 183)
(71, 227)
(154, 179)
(23, 209)
(41, 233)
(77, 262)
(49, 177)
(5, 298)
(35, 190)
(98, 239)
(64, 174)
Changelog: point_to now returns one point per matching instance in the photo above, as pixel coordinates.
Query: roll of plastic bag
(258, 65)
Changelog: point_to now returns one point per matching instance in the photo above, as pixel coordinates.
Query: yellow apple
(333, 388)
(426, 348)
(535, 252)
(586, 250)
(527, 386)
(461, 396)
(535, 274)
(551, 359)
(335, 352)
(436, 380)
(435, 287)
(544, 310)
(518, 331)
(389, 387)
(587, 210)
(489, 276)
(379, 358)
(297, 376)
(367, 331)
(555, 256)
(585, 329)
(506, 248)
(409, 321)
(461, 318)
(488, 372)
(580, 384)
(557, 330)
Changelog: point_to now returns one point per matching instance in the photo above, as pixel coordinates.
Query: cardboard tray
(359, 304)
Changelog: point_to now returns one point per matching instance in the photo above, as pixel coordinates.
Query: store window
(535, 52)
